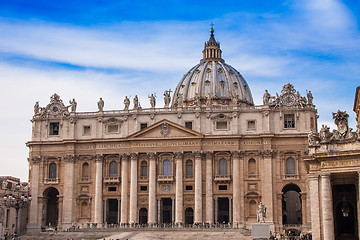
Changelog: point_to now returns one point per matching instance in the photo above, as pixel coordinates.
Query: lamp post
(16, 199)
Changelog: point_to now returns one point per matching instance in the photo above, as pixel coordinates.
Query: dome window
(207, 82)
(208, 70)
(193, 83)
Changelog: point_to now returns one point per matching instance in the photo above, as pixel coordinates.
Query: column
(267, 189)
(68, 210)
(198, 189)
(133, 188)
(172, 210)
(236, 188)
(230, 210)
(179, 189)
(209, 189)
(34, 222)
(242, 190)
(124, 188)
(152, 189)
(327, 207)
(98, 190)
(216, 210)
(315, 206)
(159, 210)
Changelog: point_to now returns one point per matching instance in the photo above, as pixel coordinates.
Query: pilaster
(68, 211)
(198, 189)
(133, 188)
(327, 207)
(98, 189)
(124, 188)
(179, 188)
(236, 188)
(209, 189)
(152, 189)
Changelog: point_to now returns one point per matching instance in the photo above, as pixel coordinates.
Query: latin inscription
(254, 142)
(343, 163)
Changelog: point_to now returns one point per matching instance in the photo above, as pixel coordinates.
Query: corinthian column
(124, 189)
(198, 189)
(133, 188)
(98, 190)
(209, 189)
(314, 206)
(327, 207)
(268, 185)
(68, 191)
(236, 188)
(34, 222)
(179, 189)
(152, 189)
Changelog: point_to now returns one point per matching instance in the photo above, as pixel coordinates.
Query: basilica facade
(207, 156)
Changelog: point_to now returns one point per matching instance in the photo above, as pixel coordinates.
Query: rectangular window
(143, 188)
(188, 125)
(221, 125)
(188, 187)
(54, 128)
(222, 187)
(87, 131)
(289, 121)
(111, 189)
(251, 125)
(113, 128)
(143, 126)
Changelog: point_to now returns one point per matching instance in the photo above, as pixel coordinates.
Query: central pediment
(165, 129)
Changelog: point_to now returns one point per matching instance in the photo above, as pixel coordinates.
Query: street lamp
(16, 199)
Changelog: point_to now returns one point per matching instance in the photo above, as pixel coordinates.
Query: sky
(112, 49)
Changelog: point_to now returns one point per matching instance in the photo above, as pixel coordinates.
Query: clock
(288, 99)
(55, 109)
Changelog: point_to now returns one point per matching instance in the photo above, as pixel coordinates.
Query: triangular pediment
(165, 129)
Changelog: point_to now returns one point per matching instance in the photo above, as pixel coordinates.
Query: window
(7, 218)
(166, 168)
(113, 128)
(189, 169)
(290, 166)
(85, 170)
(289, 121)
(54, 128)
(223, 167)
(143, 188)
(113, 169)
(252, 167)
(221, 125)
(87, 131)
(143, 169)
(222, 187)
(52, 171)
(189, 188)
(111, 189)
(188, 125)
(143, 125)
(251, 125)
(84, 210)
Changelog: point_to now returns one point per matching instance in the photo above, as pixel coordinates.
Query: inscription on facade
(254, 142)
(343, 163)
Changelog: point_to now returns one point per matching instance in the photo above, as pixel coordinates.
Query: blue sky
(91, 49)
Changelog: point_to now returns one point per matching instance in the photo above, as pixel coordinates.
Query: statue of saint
(152, 100)
(36, 108)
(208, 100)
(197, 99)
(73, 105)
(136, 102)
(126, 103)
(101, 105)
(266, 98)
(261, 213)
(179, 100)
(310, 98)
(167, 99)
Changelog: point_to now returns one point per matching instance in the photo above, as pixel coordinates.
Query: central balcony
(222, 178)
(165, 178)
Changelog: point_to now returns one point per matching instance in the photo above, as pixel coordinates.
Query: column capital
(325, 175)
(151, 155)
(98, 157)
(313, 177)
(235, 154)
(69, 158)
(35, 159)
(178, 155)
(124, 157)
(209, 154)
(197, 154)
(133, 156)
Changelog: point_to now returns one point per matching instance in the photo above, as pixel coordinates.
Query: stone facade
(209, 157)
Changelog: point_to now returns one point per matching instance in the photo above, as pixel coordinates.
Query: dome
(212, 82)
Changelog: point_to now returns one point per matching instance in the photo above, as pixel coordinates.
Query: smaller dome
(212, 81)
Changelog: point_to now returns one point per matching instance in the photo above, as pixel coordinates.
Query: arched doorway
(291, 204)
(52, 207)
(189, 216)
(143, 216)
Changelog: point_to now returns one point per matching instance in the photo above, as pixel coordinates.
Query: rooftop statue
(101, 105)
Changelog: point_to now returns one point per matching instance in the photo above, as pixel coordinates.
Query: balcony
(51, 181)
(112, 180)
(222, 178)
(165, 178)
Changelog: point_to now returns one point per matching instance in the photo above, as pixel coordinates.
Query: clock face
(289, 99)
(55, 109)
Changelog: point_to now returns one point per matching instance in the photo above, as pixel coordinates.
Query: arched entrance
(143, 216)
(291, 205)
(52, 207)
(189, 216)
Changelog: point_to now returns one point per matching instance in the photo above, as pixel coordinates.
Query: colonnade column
(34, 221)
(124, 188)
(133, 188)
(179, 189)
(198, 189)
(152, 189)
(98, 189)
(209, 189)
(236, 188)
(315, 206)
(327, 207)
(268, 184)
(216, 209)
(68, 210)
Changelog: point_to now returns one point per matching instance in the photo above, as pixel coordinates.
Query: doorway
(291, 205)
(112, 211)
(189, 216)
(52, 207)
(223, 210)
(166, 210)
(143, 216)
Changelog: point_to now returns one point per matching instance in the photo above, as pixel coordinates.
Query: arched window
(85, 170)
(290, 166)
(252, 208)
(166, 168)
(52, 171)
(113, 169)
(252, 167)
(223, 167)
(144, 169)
(189, 168)
(84, 210)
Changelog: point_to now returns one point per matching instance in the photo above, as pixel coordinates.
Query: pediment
(165, 129)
